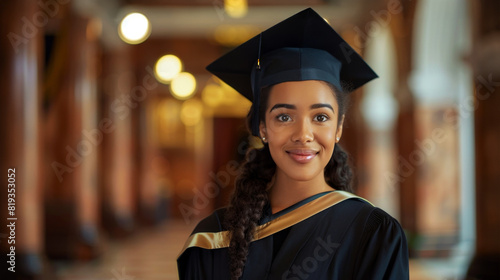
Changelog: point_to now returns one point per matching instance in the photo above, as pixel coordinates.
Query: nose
(303, 132)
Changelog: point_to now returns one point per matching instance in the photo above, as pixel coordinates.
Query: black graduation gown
(333, 235)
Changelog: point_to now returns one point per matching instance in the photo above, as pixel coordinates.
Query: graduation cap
(302, 47)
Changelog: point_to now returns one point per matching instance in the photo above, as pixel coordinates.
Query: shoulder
(373, 221)
(369, 211)
(212, 223)
(365, 215)
(368, 228)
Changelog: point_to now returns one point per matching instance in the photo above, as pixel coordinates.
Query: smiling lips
(302, 156)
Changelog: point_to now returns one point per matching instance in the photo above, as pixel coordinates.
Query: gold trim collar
(216, 240)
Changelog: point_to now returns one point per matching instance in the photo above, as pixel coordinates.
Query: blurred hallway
(115, 139)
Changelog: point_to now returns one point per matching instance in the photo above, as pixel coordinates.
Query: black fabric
(351, 240)
(212, 223)
(278, 239)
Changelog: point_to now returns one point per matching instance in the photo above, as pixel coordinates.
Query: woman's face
(301, 127)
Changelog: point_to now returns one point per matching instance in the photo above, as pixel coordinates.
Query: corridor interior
(119, 134)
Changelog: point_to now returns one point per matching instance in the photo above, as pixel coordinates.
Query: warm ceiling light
(134, 28)
(183, 86)
(236, 8)
(167, 67)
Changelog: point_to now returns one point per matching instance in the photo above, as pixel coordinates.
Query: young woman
(292, 215)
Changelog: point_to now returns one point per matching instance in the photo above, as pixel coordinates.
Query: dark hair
(250, 194)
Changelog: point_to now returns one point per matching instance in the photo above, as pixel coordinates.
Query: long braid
(246, 207)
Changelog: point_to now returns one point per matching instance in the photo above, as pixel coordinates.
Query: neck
(286, 192)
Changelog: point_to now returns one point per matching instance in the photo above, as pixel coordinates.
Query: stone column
(73, 139)
(118, 201)
(402, 30)
(485, 57)
(21, 216)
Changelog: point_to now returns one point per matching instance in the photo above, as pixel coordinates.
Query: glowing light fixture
(236, 8)
(167, 67)
(134, 28)
(183, 86)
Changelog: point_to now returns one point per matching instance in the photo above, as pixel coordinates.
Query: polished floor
(151, 255)
(148, 255)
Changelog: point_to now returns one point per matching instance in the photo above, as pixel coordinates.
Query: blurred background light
(134, 28)
(236, 8)
(191, 112)
(234, 35)
(183, 86)
(222, 100)
(167, 67)
(212, 95)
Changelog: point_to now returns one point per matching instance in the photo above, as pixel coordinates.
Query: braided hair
(250, 194)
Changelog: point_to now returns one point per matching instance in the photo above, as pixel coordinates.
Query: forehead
(302, 93)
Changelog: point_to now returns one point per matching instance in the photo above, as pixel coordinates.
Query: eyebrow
(282, 105)
(293, 107)
(322, 105)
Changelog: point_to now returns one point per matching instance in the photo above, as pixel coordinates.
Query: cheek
(272, 126)
(277, 138)
(327, 137)
(276, 130)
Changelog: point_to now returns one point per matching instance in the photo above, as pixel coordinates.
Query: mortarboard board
(302, 47)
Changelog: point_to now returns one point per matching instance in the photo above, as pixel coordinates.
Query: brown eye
(283, 118)
(321, 118)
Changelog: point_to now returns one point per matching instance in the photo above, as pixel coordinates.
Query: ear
(340, 127)
(262, 130)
